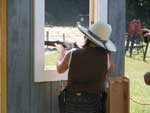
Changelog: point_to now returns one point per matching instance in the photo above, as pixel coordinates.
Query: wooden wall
(25, 96)
(3, 56)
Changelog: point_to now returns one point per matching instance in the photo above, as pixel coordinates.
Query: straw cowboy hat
(99, 33)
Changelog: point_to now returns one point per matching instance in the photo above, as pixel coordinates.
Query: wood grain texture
(19, 52)
(91, 12)
(25, 96)
(118, 92)
(3, 55)
(116, 17)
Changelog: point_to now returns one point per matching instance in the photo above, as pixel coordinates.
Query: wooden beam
(91, 11)
(118, 92)
(98, 11)
(3, 54)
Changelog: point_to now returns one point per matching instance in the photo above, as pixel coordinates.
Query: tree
(138, 9)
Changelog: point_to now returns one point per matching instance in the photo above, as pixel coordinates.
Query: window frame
(40, 73)
(96, 9)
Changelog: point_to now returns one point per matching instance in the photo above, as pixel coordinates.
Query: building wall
(25, 96)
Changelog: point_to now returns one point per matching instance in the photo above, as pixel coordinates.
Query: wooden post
(3, 55)
(96, 6)
(98, 11)
(103, 10)
(116, 12)
(91, 12)
(119, 93)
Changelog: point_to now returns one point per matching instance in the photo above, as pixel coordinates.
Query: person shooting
(88, 67)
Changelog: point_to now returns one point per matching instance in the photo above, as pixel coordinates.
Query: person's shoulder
(77, 51)
(72, 50)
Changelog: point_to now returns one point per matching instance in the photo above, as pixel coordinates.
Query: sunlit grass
(50, 58)
(135, 68)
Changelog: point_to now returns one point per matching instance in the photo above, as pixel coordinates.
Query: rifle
(64, 44)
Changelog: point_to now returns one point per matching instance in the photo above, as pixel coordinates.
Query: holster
(61, 101)
(104, 98)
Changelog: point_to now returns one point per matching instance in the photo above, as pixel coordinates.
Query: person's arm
(63, 59)
(147, 35)
(146, 32)
(111, 64)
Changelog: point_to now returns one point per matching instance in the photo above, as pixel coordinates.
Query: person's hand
(60, 48)
(145, 33)
(147, 78)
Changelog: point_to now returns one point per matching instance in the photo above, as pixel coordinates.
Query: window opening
(61, 17)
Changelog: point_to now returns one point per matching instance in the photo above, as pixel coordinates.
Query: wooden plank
(96, 7)
(40, 98)
(56, 87)
(91, 11)
(19, 65)
(118, 92)
(25, 96)
(40, 93)
(45, 97)
(116, 12)
(55, 90)
(34, 87)
(0, 53)
(3, 55)
(34, 102)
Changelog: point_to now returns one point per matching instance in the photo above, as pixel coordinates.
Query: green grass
(50, 58)
(135, 68)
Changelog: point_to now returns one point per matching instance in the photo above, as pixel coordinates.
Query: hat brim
(109, 45)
